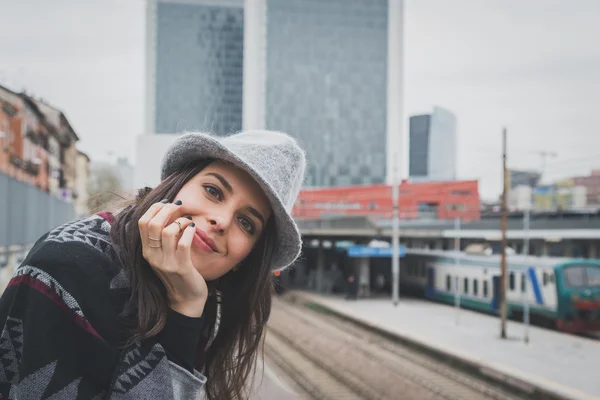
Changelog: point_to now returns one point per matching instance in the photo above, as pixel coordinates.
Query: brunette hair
(246, 294)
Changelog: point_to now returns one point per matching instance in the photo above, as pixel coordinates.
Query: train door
(430, 288)
(496, 293)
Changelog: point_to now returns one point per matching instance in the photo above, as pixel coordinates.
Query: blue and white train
(562, 292)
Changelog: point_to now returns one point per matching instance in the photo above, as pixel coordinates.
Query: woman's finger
(171, 235)
(163, 218)
(147, 217)
(184, 245)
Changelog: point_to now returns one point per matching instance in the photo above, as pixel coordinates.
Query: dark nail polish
(178, 203)
(189, 217)
(164, 201)
(192, 225)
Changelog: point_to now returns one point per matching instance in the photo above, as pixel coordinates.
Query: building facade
(563, 195)
(38, 145)
(523, 178)
(194, 65)
(425, 200)
(67, 140)
(326, 84)
(433, 146)
(25, 135)
(592, 185)
(520, 198)
(329, 73)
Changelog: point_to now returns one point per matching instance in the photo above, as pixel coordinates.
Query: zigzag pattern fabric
(61, 336)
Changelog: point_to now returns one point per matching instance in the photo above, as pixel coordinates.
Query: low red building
(435, 200)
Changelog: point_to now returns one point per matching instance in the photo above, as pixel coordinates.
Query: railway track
(334, 359)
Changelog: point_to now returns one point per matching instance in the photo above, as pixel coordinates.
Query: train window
(485, 289)
(523, 282)
(423, 271)
(551, 278)
(545, 277)
(575, 277)
(448, 283)
(466, 286)
(511, 281)
(475, 287)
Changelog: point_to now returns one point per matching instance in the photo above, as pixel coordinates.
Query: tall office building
(194, 65)
(433, 146)
(328, 72)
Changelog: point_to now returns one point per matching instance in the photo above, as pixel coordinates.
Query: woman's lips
(202, 241)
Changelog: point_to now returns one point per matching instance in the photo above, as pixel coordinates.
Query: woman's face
(230, 211)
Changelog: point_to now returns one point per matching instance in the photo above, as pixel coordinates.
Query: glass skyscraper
(433, 146)
(195, 65)
(327, 84)
(328, 72)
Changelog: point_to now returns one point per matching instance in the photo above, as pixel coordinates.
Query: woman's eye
(213, 191)
(247, 225)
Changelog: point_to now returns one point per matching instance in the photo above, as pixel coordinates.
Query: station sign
(368, 251)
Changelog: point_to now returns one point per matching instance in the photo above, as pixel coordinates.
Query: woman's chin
(208, 275)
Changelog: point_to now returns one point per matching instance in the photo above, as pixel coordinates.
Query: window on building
(448, 283)
(466, 286)
(511, 281)
(460, 192)
(485, 289)
(475, 287)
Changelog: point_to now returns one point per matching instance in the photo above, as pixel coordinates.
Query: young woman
(167, 298)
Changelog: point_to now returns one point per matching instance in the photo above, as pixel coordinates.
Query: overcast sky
(530, 65)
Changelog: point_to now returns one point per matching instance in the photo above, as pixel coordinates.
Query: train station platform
(271, 383)
(554, 362)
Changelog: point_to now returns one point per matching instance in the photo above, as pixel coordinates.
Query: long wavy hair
(246, 295)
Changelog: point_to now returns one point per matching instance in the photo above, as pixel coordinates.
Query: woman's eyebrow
(223, 181)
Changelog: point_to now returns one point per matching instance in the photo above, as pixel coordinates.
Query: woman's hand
(166, 244)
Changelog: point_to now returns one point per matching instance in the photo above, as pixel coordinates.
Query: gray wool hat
(273, 159)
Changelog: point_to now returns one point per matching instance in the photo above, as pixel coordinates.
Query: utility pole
(503, 227)
(525, 277)
(545, 155)
(457, 261)
(395, 234)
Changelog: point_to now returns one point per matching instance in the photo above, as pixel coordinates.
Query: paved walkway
(563, 363)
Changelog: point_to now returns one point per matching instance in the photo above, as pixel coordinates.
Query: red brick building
(436, 200)
(36, 147)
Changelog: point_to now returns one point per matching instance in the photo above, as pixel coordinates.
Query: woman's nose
(219, 223)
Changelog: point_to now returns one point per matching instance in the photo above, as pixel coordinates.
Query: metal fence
(26, 212)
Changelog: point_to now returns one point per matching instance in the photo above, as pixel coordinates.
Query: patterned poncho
(61, 335)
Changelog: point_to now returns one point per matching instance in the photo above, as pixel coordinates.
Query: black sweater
(62, 337)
